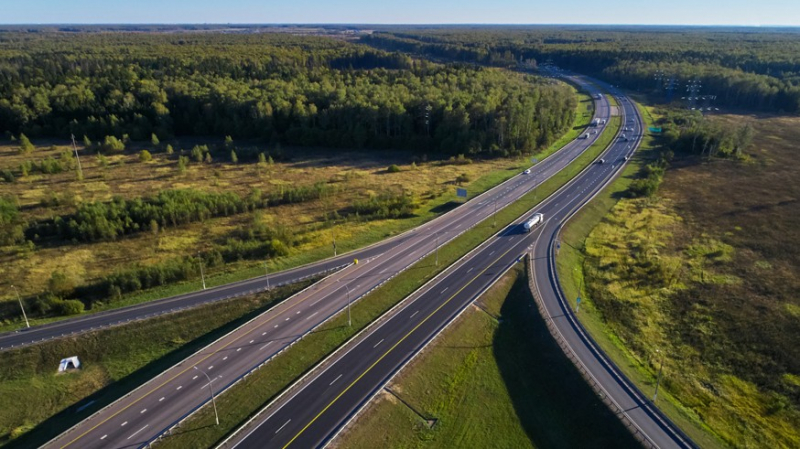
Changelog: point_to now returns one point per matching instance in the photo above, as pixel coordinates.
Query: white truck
(595, 122)
(535, 219)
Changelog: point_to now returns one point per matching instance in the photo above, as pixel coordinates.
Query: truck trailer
(536, 219)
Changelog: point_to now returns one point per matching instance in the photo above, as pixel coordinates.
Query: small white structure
(69, 363)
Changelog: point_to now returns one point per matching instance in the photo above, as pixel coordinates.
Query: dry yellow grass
(355, 175)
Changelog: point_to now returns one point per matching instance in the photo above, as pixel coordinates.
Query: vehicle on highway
(601, 161)
(535, 219)
(527, 172)
(625, 158)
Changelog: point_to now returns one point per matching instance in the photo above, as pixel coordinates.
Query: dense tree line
(296, 90)
(169, 208)
(743, 68)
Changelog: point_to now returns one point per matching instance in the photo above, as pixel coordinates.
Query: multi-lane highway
(147, 412)
(651, 425)
(328, 398)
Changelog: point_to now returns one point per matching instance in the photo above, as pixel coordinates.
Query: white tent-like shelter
(69, 363)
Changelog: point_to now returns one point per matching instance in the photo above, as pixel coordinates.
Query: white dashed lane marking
(284, 425)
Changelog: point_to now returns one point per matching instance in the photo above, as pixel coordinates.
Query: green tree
(182, 161)
(60, 283)
(145, 156)
(234, 158)
(154, 140)
(170, 150)
(112, 144)
(25, 145)
(87, 143)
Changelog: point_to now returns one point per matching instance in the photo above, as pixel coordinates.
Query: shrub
(112, 144)
(69, 307)
(393, 169)
(25, 145)
(8, 176)
(145, 156)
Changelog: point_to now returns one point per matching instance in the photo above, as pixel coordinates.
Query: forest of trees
(742, 68)
(307, 91)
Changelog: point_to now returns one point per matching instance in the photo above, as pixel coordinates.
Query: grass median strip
(488, 382)
(242, 400)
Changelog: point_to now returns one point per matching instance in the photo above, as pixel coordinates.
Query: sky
(672, 12)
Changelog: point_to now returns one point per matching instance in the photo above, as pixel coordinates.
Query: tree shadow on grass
(555, 406)
(442, 208)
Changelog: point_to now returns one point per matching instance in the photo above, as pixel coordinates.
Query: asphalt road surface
(147, 412)
(657, 430)
(315, 411)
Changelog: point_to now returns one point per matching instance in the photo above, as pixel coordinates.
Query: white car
(527, 172)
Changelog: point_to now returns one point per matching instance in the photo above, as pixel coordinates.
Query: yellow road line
(395, 346)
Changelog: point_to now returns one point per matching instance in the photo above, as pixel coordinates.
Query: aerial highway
(125, 315)
(156, 406)
(316, 410)
(653, 427)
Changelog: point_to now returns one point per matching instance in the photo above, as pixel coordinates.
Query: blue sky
(682, 12)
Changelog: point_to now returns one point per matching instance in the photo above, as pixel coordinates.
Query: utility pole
(658, 380)
(78, 158)
(202, 275)
(21, 307)
(334, 246)
(211, 387)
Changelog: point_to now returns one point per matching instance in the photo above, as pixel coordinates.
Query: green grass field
(114, 361)
(658, 274)
(489, 383)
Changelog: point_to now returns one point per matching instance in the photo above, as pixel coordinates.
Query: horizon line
(362, 24)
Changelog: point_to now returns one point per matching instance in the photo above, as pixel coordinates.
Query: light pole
(494, 217)
(437, 249)
(266, 271)
(658, 380)
(349, 320)
(334, 246)
(211, 387)
(202, 275)
(21, 307)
